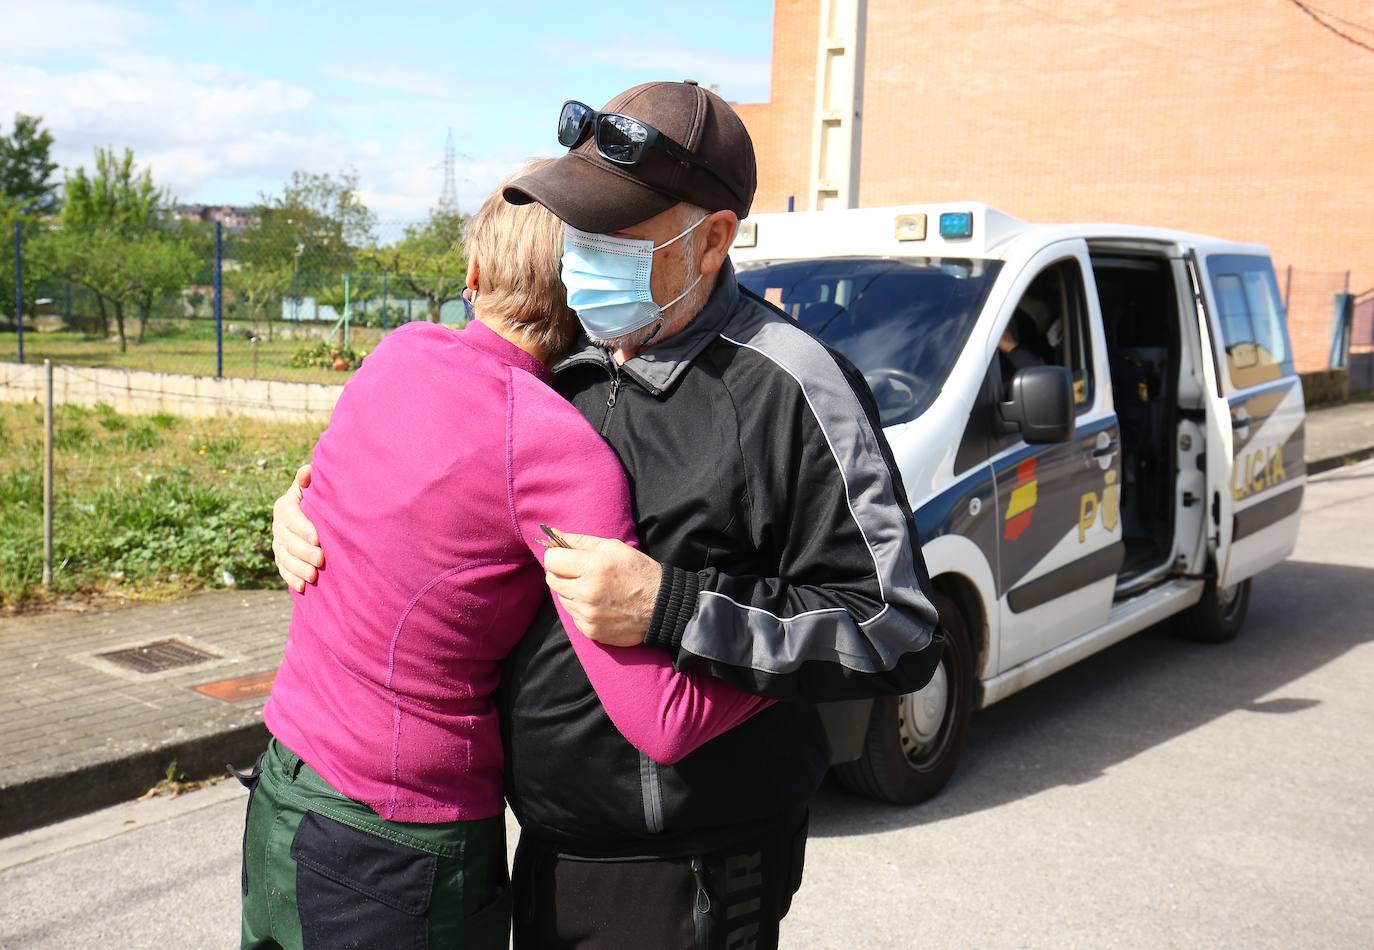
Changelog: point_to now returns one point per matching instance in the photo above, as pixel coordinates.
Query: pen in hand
(555, 540)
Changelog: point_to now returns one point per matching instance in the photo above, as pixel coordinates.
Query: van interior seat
(1140, 324)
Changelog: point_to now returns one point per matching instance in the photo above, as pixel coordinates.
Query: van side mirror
(1040, 405)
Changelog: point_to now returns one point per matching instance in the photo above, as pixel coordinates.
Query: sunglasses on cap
(623, 140)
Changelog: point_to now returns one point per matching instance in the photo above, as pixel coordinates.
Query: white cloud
(740, 78)
(216, 134)
(375, 76)
(188, 123)
(203, 129)
(43, 27)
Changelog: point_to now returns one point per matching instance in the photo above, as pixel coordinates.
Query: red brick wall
(1240, 118)
(780, 127)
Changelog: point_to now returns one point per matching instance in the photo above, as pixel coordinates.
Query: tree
(310, 233)
(117, 197)
(319, 218)
(160, 263)
(26, 166)
(332, 204)
(115, 240)
(10, 213)
(256, 290)
(92, 260)
(429, 261)
(120, 272)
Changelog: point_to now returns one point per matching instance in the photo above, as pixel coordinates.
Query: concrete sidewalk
(1339, 435)
(79, 732)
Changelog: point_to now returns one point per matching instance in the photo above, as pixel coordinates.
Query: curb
(49, 798)
(1317, 466)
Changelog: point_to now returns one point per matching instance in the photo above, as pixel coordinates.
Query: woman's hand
(295, 543)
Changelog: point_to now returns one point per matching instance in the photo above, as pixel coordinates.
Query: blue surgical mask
(607, 279)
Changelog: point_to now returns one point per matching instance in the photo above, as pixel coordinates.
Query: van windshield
(901, 321)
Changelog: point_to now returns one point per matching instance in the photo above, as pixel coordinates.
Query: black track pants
(732, 900)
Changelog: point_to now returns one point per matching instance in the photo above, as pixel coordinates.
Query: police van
(1099, 428)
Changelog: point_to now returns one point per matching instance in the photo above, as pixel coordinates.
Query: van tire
(1218, 616)
(885, 771)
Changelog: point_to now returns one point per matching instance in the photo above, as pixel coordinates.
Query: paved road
(1160, 794)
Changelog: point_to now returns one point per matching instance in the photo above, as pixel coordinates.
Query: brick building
(1240, 118)
(233, 217)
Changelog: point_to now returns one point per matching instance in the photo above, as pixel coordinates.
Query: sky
(224, 100)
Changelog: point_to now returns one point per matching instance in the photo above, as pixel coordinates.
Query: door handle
(1106, 451)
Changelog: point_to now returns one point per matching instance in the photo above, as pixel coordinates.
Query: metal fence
(299, 301)
(1310, 297)
(307, 309)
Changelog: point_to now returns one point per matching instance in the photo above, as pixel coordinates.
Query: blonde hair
(519, 250)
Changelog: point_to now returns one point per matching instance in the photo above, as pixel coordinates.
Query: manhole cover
(159, 656)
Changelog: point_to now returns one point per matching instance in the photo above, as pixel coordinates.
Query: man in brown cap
(777, 550)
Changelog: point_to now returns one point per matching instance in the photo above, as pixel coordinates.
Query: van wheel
(914, 741)
(1218, 616)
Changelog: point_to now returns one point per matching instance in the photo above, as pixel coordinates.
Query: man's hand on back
(295, 544)
(607, 586)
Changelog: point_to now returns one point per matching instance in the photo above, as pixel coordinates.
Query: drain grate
(158, 656)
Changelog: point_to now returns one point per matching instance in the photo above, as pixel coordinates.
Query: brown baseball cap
(596, 195)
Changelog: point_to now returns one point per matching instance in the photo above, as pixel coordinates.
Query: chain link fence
(1310, 297)
(307, 300)
(291, 303)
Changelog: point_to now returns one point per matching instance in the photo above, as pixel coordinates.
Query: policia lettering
(1108, 505)
(1255, 471)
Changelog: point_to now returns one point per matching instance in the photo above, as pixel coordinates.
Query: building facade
(1246, 119)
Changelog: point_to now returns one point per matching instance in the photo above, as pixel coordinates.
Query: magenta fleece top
(444, 454)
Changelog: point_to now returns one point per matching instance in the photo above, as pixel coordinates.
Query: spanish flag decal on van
(1021, 506)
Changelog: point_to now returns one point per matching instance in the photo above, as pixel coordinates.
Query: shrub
(328, 356)
(108, 418)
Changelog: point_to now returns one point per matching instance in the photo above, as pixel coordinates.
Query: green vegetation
(435, 251)
(27, 189)
(145, 506)
(116, 239)
(185, 350)
(329, 356)
(26, 166)
(116, 274)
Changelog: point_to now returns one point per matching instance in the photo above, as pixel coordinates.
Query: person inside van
(1014, 351)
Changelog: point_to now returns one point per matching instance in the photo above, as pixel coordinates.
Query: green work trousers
(321, 870)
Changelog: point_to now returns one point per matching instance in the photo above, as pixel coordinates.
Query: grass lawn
(146, 507)
(183, 351)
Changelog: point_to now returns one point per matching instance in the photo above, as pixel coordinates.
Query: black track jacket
(759, 472)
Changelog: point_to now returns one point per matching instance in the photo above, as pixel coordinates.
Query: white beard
(634, 341)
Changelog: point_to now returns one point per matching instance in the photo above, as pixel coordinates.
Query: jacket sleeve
(570, 479)
(848, 613)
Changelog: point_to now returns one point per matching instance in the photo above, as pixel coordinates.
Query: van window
(1250, 312)
(1049, 327)
(902, 321)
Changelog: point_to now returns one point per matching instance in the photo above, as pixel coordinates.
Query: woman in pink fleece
(376, 813)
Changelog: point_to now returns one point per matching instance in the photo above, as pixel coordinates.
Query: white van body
(1180, 477)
